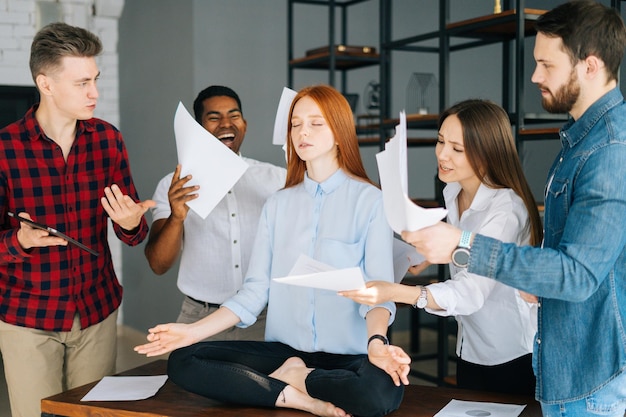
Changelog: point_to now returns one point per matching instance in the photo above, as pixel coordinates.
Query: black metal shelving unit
(330, 60)
(510, 28)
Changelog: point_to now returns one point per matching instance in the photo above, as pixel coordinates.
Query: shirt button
(232, 215)
(236, 266)
(234, 241)
(538, 341)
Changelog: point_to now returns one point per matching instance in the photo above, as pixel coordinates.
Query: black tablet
(54, 232)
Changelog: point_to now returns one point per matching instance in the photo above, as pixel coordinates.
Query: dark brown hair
(587, 28)
(490, 151)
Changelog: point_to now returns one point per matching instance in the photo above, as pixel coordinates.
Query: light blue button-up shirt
(581, 270)
(340, 222)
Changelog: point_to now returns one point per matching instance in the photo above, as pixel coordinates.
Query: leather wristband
(379, 337)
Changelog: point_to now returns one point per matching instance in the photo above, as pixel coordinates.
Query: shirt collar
(575, 130)
(328, 186)
(35, 132)
(482, 199)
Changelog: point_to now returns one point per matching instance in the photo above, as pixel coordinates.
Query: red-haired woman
(324, 354)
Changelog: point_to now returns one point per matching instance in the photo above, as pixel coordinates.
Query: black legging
(237, 372)
(514, 377)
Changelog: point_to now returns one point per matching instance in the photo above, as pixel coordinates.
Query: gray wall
(169, 50)
(155, 73)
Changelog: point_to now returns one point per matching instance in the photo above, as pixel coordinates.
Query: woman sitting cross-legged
(324, 354)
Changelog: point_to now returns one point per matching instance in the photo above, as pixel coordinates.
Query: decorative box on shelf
(343, 50)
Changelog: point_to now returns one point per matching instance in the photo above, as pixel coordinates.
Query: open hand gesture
(165, 338)
(391, 359)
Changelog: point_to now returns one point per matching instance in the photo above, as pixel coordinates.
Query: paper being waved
(213, 166)
(402, 213)
(308, 272)
(404, 257)
(282, 116)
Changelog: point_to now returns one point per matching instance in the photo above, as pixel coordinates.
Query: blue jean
(237, 372)
(609, 401)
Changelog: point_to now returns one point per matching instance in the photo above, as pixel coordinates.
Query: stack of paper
(402, 213)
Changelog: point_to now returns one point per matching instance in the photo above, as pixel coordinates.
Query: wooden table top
(419, 401)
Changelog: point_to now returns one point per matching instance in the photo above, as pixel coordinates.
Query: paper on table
(125, 388)
(282, 116)
(458, 408)
(404, 256)
(308, 272)
(214, 166)
(402, 213)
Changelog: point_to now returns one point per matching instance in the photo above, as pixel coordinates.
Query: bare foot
(290, 397)
(293, 372)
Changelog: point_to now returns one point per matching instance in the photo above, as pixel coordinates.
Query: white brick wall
(18, 25)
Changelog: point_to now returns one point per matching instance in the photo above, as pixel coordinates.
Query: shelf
(410, 142)
(489, 29)
(539, 134)
(343, 60)
(500, 25)
(337, 59)
(426, 203)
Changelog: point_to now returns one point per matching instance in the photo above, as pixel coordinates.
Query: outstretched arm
(378, 292)
(165, 338)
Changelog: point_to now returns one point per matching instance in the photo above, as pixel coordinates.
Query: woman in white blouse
(486, 193)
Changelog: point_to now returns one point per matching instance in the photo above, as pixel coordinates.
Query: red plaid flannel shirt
(43, 288)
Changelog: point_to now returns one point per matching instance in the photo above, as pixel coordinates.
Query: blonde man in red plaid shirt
(62, 167)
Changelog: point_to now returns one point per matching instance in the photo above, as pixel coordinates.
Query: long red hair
(337, 113)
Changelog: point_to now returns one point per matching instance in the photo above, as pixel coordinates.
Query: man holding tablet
(68, 172)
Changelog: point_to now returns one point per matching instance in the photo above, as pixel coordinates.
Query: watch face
(422, 302)
(460, 257)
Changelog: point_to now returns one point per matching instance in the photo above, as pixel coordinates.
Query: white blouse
(495, 324)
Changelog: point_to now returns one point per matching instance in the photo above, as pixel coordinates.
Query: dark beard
(565, 98)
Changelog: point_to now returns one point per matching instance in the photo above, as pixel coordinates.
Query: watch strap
(466, 239)
(379, 337)
(422, 300)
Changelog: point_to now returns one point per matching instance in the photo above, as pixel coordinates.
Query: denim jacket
(580, 271)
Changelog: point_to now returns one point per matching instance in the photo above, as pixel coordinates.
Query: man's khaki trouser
(38, 363)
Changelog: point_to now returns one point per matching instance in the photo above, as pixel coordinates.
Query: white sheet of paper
(282, 115)
(458, 408)
(307, 265)
(401, 212)
(214, 166)
(336, 280)
(125, 388)
(404, 256)
(308, 272)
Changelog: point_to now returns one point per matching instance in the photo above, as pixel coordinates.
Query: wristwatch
(422, 300)
(461, 255)
(380, 337)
